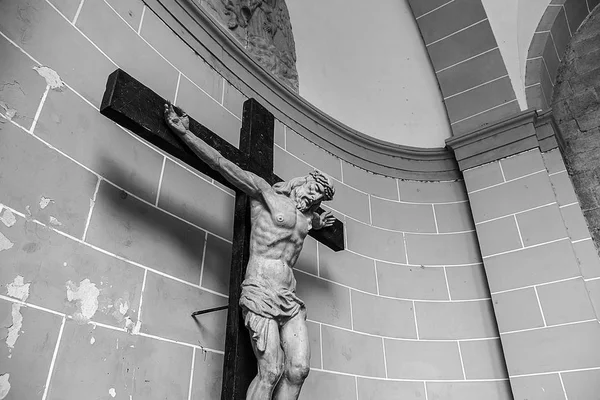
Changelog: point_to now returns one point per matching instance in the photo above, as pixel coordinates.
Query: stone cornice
(195, 27)
(502, 139)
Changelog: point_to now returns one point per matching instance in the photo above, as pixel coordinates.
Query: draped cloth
(262, 302)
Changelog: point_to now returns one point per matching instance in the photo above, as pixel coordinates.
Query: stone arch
(576, 109)
(559, 23)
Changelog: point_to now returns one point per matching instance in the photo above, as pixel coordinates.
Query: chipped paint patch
(54, 221)
(5, 244)
(7, 112)
(86, 297)
(44, 201)
(112, 392)
(28, 209)
(51, 77)
(15, 328)
(92, 340)
(18, 288)
(4, 385)
(8, 218)
(121, 307)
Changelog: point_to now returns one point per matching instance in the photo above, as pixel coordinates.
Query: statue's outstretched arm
(246, 181)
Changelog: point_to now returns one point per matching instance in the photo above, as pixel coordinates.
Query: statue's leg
(296, 348)
(270, 361)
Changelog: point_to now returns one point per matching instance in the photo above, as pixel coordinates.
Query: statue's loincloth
(262, 302)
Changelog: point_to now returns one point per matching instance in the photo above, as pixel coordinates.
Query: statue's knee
(297, 373)
(271, 374)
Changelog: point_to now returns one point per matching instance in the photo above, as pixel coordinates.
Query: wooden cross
(137, 108)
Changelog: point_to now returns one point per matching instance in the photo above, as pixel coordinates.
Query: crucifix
(270, 223)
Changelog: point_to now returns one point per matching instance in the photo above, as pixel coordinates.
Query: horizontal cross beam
(134, 106)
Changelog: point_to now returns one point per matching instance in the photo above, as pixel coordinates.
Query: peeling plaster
(54, 221)
(18, 289)
(51, 77)
(86, 297)
(7, 112)
(8, 218)
(14, 329)
(28, 209)
(44, 201)
(4, 385)
(112, 392)
(121, 307)
(92, 340)
(5, 244)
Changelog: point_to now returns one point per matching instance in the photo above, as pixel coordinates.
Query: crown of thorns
(324, 180)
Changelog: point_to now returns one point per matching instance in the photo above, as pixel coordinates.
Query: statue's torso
(277, 235)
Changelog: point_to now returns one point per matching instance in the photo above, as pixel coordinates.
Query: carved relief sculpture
(264, 29)
(281, 217)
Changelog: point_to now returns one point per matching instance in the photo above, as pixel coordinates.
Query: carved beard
(302, 205)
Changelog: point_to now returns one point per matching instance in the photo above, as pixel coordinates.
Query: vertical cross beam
(256, 141)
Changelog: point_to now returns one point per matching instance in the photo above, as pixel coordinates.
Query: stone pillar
(537, 253)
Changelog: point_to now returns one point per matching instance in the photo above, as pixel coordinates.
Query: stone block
(541, 225)
(551, 349)
(66, 7)
(467, 75)
(479, 100)
(593, 288)
(402, 216)
(208, 112)
(32, 351)
(512, 197)
(54, 42)
(495, 390)
(498, 236)
(32, 172)
(530, 266)
(325, 301)
(467, 282)
(168, 305)
(52, 263)
(561, 34)
(287, 166)
(422, 360)
(350, 201)
(208, 375)
(454, 217)
(420, 7)
(407, 282)
(537, 387)
(376, 243)
(551, 59)
(167, 43)
(581, 385)
(522, 164)
(122, 44)
(130, 11)
(449, 19)
(73, 126)
(456, 320)
(483, 359)
(279, 133)
(432, 192)
(478, 120)
(462, 46)
(313, 155)
(447, 249)
(352, 353)
(117, 359)
(585, 183)
(21, 87)
(376, 185)
(217, 265)
(587, 256)
(517, 310)
(314, 337)
(576, 11)
(483, 176)
(565, 302)
(233, 99)
(347, 268)
(194, 199)
(371, 314)
(378, 389)
(575, 222)
(587, 63)
(583, 102)
(328, 385)
(139, 232)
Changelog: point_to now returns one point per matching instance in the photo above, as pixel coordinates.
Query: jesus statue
(281, 217)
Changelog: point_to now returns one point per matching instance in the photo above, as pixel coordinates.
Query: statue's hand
(176, 119)
(326, 219)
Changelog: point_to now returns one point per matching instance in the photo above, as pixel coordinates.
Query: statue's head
(308, 191)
